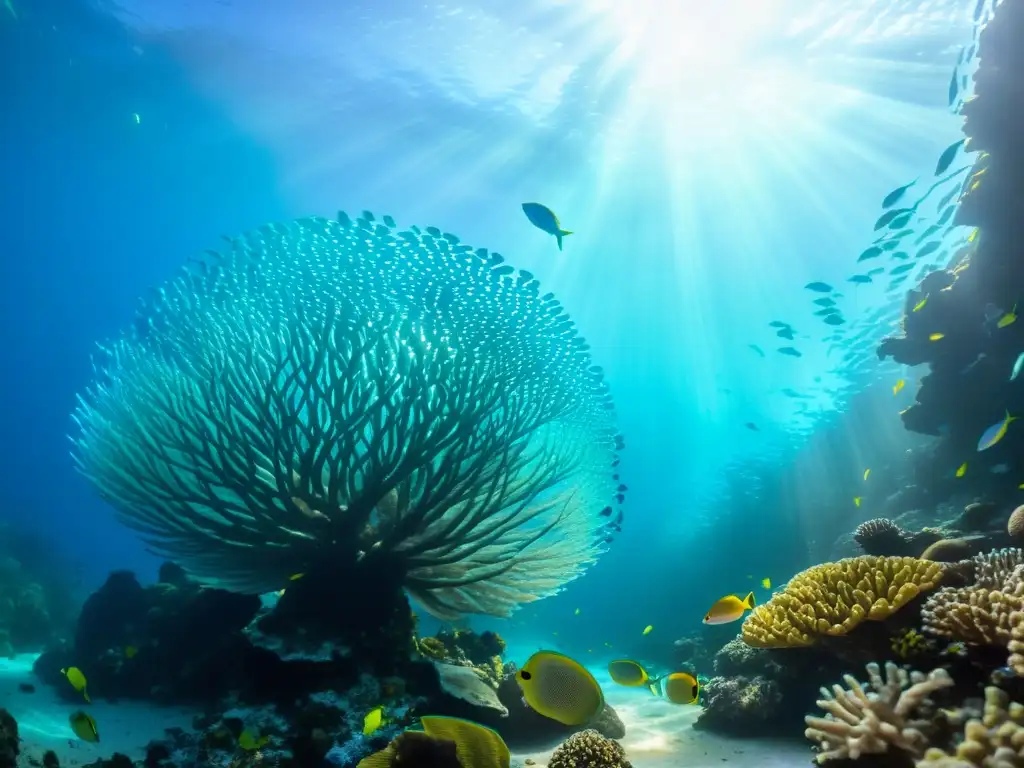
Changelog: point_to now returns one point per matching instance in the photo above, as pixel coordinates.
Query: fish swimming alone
(77, 680)
(628, 673)
(560, 688)
(995, 433)
(544, 219)
(729, 608)
(84, 727)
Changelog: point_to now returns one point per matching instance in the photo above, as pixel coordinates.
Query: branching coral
(833, 598)
(589, 749)
(894, 714)
(334, 391)
(973, 615)
(979, 614)
(995, 741)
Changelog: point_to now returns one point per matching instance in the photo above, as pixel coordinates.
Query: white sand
(660, 735)
(126, 727)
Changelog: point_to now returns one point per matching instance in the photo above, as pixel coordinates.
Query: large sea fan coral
(339, 391)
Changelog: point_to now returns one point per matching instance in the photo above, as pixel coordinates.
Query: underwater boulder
(9, 742)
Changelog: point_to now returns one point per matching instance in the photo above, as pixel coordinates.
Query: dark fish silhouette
(819, 287)
(790, 351)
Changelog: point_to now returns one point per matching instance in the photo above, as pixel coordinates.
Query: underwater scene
(559, 383)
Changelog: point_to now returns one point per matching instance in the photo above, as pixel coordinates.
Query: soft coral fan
(337, 391)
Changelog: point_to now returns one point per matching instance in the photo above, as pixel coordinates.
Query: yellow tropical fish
(867, 473)
(920, 305)
(729, 608)
(857, 500)
(974, 234)
(577, 612)
(628, 673)
(560, 688)
(961, 470)
(296, 576)
(681, 688)
(1008, 318)
(476, 746)
(373, 720)
(648, 628)
(250, 740)
(766, 583)
(900, 383)
(936, 336)
(84, 727)
(77, 680)
(995, 433)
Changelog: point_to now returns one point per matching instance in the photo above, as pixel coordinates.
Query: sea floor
(42, 716)
(661, 735)
(658, 734)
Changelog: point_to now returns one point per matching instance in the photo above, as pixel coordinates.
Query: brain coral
(589, 749)
(832, 598)
(337, 391)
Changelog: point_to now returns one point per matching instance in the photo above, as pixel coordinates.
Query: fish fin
(748, 601)
(564, 232)
(87, 699)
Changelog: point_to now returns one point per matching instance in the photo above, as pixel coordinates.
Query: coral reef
(994, 741)
(884, 537)
(895, 714)
(833, 598)
(693, 653)
(589, 749)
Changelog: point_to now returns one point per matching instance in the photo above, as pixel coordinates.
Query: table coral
(831, 599)
(893, 714)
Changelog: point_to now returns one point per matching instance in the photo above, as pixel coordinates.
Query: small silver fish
(1017, 367)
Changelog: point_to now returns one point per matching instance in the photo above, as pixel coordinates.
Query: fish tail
(559, 235)
(748, 601)
(87, 699)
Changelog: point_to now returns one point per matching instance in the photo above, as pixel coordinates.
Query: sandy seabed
(658, 734)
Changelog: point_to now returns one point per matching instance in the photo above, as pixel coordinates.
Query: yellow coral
(432, 648)
(997, 739)
(832, 598)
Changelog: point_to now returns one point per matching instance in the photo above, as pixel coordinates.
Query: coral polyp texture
(589, 749)
(831, 599)
(894, 713)
(338, 391)
(996, 740)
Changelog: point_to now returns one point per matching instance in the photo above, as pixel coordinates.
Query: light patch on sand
(661, 735)
(42, 716)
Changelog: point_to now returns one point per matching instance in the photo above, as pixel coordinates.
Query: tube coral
(340, 391)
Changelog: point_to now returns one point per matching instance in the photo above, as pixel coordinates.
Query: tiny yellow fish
(974, 234)
(920, 305)
(648, 628)
(729, 608)
(961, 470)
(936, 336)
(296, 576)
(867, 473)
(577, 612)
(560, 688)
(766, 583)
(373, 720)
(77, 680)
(1020, 487)
(1008, 318)
(250, 740)
(900, 383)
(130, 651)
(84, 727)
(857, 500)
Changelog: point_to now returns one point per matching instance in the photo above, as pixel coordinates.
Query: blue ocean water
(710, 163)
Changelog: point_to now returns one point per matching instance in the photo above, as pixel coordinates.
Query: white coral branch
(860, 722)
